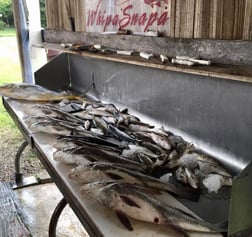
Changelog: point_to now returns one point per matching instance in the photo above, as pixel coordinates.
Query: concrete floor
(39, 202)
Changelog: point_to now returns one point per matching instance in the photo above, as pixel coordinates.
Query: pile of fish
(126, 163)
(123, 162)
(95, 131)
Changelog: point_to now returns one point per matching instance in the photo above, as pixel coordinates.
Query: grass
(8, 32)
(9, 72)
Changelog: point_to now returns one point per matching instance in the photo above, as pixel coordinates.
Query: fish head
(181, 175)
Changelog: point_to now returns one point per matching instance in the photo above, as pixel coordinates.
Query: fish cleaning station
(142, 119)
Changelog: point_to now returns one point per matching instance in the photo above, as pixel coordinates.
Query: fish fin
(124, 220)
(129, 201)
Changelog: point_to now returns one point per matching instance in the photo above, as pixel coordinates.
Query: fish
(43, 125)
(189, 161)
(93, 153)
(83, 115)
(33, 92)
(130, 201)
(204, 163)
(144, 155)
(117, 133)
(191, 178)
(69, 158)
(214, 168)
(133, 150)
(71, 107)
(52, 125)
(62, 114)
(158, 139)
(101, 124)
(87, 136)
(126, 119)
(152, 147)
(196, 168)
(181, 175)
(92, 171)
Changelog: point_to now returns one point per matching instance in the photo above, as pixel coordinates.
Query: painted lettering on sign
(126, 14)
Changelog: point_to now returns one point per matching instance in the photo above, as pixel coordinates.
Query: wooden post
(22, 40)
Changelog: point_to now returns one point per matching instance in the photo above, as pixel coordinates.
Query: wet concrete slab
(38, 204)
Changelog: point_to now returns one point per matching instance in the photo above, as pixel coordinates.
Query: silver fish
(189, 161)
(191, 178)
(160, 140)
(101, 124)
(134, 150)
(181, 175)
(205, 164)
(32, 92)
(127, 200)
(117, 133)
(83, 115)
(69, 158)
(110, 171)
(101, 113)
(215, 168)
(47, 127)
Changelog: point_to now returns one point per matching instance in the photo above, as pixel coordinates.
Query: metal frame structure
(202, 109)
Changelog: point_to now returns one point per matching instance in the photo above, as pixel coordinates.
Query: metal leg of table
(20, 181)
(18, 175)
(55, 217)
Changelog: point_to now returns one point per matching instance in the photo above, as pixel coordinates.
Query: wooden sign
(138, 16)
(208, 19)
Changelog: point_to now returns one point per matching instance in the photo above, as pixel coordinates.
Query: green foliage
(7, 14)
(6, 11)
(2, 25)
(42, 13)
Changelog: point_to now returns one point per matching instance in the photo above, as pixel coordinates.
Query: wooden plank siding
(208, 19)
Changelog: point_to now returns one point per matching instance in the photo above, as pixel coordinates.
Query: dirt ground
(9, 144)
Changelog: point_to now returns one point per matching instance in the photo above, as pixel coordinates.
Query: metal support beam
(22, 39)
(18, 174)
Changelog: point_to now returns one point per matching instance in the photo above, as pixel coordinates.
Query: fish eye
(156, 220)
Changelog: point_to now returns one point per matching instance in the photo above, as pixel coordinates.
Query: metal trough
(213, 113)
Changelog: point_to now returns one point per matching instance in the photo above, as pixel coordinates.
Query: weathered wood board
(208, 19)
(11, 217)
(111, 15)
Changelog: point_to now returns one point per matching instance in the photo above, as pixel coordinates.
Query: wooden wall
(208, 19)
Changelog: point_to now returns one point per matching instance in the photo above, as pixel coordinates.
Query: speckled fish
(96, 171)
(127, 200)
(160, 140)
(32, 92)
(205, 163)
